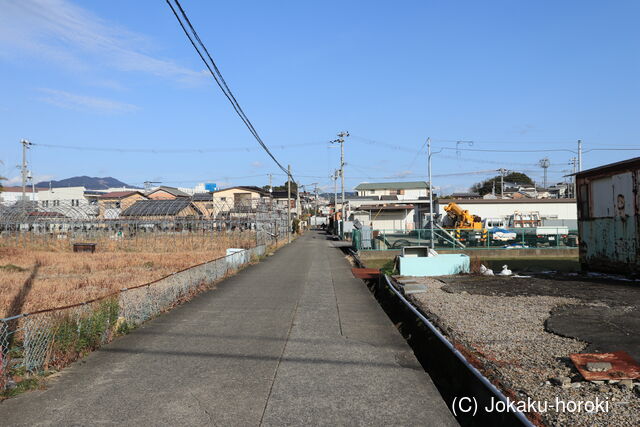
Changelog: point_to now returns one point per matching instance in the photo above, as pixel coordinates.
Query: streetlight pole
(430, 192)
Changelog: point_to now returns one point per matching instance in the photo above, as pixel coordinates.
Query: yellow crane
(462, 217)
(468, 227)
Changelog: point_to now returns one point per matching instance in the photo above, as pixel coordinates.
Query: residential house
(73, 202)
(409, 190)
(110, 205)
(240, 197)
(62, 196)
(386, 216)
(166, 193)
(240, 205)
(280, 198)
(205, 204)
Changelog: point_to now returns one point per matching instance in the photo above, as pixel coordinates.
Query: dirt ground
(36, 276)
(606, 314)
(523, 329)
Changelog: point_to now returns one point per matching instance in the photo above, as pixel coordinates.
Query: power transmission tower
(340, 140)
(544, 164)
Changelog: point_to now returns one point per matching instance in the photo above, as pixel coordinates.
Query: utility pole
(579, 155)
(340, 141)
(298, 203)
(502, 171)
(24, 172)
(574, 163)
(289, 203)
(317, 204)
(335, 195)
(270, 186)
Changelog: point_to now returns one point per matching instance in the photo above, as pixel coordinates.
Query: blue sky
(503, 74)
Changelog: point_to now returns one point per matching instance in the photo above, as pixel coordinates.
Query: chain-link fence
(31, 342)
(125, 217)
(492, 238)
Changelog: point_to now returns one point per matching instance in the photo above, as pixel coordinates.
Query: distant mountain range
(89, 182)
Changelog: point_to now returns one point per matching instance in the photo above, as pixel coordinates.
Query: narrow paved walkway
(293, 340)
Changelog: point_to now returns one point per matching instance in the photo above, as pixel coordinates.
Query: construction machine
(469, 228)
(461, 217)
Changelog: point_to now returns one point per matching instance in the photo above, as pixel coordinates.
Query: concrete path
(293, 340)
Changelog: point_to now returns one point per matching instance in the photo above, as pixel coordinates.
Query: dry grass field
(61, 277)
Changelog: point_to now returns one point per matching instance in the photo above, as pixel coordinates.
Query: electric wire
(170, 151)
(217, 75)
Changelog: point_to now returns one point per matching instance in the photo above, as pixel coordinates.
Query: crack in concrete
(202, 407)
(284, 348)
(335, 295)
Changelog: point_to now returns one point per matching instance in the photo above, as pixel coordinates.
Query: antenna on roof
(147, 184)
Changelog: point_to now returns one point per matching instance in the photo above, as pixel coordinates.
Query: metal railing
(32, 342)
(512, 238)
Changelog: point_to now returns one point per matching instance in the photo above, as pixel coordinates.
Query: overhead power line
(171, 151)
(191, 33)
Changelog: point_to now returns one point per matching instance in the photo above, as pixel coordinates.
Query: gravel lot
(506, 333)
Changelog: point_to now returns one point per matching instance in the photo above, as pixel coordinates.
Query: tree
(283, 187)
(486, 186)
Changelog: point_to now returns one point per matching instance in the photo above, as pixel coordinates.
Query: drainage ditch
(454, 377)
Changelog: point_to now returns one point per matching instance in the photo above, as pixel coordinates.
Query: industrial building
(553, 212)
(608, 217)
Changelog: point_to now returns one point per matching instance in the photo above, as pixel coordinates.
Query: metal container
(608, 217)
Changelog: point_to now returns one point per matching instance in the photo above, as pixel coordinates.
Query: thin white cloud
(73, 101)
(257, 165)
(402, 174)
(17, 180)
(60, 31)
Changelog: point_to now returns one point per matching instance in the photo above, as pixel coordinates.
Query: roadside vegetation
(64, 277)
(73, 336)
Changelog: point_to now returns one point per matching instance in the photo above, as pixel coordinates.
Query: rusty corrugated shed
(609, 217)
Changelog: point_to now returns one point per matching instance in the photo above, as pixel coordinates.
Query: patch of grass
(376, 263)
(386, 265)
(11, 268)
(31, 383)
(77, 335)
(123, 327)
